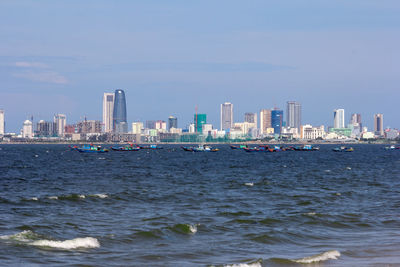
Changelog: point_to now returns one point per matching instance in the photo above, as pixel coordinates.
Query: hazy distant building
(161, 125)
(27, 129)
(378, 124)
(89, 126)
(172, 122)
(226, 116)
(199, 121)
(150, 124)
(108, 110)
(137, 127)
(45, 129)
(60, 121)
(119, 112)
(251, 118)
(265, 120)
(277, 120)
(293, 115)
(2, 124)
(338, 118)
(356, 118)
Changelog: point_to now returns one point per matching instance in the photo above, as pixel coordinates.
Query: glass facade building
(277, 120)
(199, 121)
(293, 115)
(172, 122)
(119, 113)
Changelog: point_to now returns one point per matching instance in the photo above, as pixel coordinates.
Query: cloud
(43, 76)
(25, 64)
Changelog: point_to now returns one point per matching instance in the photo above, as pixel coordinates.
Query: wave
(28, 237)
(249, 184)
(185, 228)
(328, 255)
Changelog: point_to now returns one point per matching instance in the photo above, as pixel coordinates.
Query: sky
(171, 56)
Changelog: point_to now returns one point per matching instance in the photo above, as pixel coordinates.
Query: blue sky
(169, 56)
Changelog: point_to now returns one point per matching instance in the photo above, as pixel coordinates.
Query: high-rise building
(150, 124)
(161, 125)
(356, 119)
(265, 120)
(60, 121)
(277, 120)
(378, 124)
(293, 115)
(89, 126)
(27, 129)
(199, 121)
(172, 122)
(2, 122)
(338, 118)
(45, 129)
(226, 116)
(120, 124)
(250, 118)
(108, 110)
(137, 127)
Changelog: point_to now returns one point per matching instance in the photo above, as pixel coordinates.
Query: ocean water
(169, 207)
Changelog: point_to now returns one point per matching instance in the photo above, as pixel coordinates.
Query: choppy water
(174, 208)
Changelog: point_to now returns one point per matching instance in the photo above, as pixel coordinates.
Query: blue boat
(91, 149)
(126, 148)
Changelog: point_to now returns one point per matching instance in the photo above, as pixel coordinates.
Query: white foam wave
(53, 197)
(24, 236)
(85, 242)
(328, 255)
(101, 195)
(34, 198)
(193, 228)
(249, 184)
(82, 196)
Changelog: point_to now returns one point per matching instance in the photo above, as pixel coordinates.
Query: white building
(2, 122)
(206, 128)
(244, 127)
(192, 128)
(175, 130)
(226, 116)
(293, 115)
(289, 131)
(309, 132)
(60, 121)
(338, 118)
(27, 129)
(108, 109)
(161, 125)
(265, 121)
(137, 127)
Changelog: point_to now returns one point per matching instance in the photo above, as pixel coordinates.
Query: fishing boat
(392, 147)
(200, 148)
(239, 147)
(91, 149)
(150, 147)
(343, 149)
(130, 147)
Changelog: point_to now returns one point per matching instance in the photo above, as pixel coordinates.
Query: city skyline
(276, 52)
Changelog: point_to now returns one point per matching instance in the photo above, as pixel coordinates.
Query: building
(150, 124)
(265, 120)
(108, 111)
(338, 118)
(45, 129)
(244, 127)
(391, 133)
(27, 129)
(2, 124)
(277, 120)
(293, 115)
(206, 128)
(60, 121)
(137, 127)
(378, 124)
(251, 118)
(199, 121)
(226, 116)
(161, 125)
(120, 124)
(172, 122)
(89, 126)
(309, 132)
(356, 119)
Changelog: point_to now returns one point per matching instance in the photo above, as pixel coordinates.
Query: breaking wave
(29, 237)
(185, 228)
(328, 255)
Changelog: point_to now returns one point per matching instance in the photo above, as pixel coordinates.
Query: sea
(169, 207)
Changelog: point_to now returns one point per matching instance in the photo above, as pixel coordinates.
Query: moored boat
(130, 147)
(91, 149)
(200, 148)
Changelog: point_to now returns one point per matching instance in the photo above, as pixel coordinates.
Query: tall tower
(378, 124)
(265, 120)
(293, 115)
(60, 120)
(277, 120)
(250, 118)
(226, 116)
(2, 122)
(120, 124)
(338, 118)
(108, 110)
(27, 129)
(172, 122)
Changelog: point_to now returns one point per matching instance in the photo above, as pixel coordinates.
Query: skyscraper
(60, 120)
(172, 122)
(199, 121)
(120, 124)
(338, 118)
(2, 122)
(265, 120)
(378, 124)
(277, 120)
(226, 116)
(108, 109)
(356, 118)
(27, 129)
(250, 117)
(293, 115)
